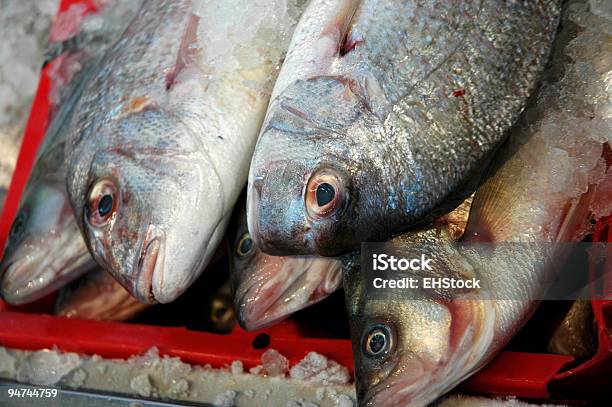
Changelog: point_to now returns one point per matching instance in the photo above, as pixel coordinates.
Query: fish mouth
(274, 296)
(151, 263)
(16, 278)
(253, 198)
(31, 277)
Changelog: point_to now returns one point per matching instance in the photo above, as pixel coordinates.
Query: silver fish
(45, 249)
(97, 295)
(162, 138)
(268, 289)
(384, 114)
(412, 347)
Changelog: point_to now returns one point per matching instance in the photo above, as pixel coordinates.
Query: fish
(45, 249)
(576, 334)
(268, 289)
(162, 138)
(413, 346)
(97, 295)
(385, 114)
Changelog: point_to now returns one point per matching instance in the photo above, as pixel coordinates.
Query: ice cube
(7, 362)
(318, 369)
(226, 399)
(173, 369)
(236, 367)
(47, 367)
(142, 385)
(274, 363)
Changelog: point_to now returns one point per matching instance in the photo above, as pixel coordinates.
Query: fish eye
(245, 245)
(325, 194)
(102, 202)
(18, 225)
(378, 341)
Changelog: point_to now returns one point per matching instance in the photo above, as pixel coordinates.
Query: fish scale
(539, 195)
(166, 129)
(431, 87)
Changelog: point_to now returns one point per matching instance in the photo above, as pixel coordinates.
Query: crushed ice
(226, 399)
(318, 369)
(47, 367)
(274, 364)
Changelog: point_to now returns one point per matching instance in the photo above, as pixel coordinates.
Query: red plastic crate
(528, 375)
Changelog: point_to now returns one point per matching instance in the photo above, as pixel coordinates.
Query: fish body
(161, 140)
(385, 112)
(45, 249)
(97, 295)
(268, 289)
(413, 346)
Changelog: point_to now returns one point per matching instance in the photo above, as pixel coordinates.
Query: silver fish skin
(268, 289)
(384, 111)
(162, 138)
(45, 249)
(541, 192)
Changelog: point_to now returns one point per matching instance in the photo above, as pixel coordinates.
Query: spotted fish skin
(403, 102)
(162, 138)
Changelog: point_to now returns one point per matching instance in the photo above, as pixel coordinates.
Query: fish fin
(187, 53)
(339, 27)
(575, 214)
(497, 197)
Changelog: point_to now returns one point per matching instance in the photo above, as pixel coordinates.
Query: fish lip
(252, 316)
(150, 263)
(20, 271)
(9, 273)
(253, 198)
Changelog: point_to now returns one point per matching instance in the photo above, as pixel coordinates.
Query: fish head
(311, 189)
(411, 346)
(269, 288)
(45, 249)
(149, 202)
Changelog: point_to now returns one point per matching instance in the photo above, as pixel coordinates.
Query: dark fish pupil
(105, 206)
(246, 245)
(325, 194)
(377, 343)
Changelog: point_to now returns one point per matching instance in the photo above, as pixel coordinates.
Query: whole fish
(45, 249)
(97, 295)
(162, 138)
(384, 114)
(268, 289)
(413, 346)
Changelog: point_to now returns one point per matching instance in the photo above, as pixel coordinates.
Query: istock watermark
(520, 271)
(383, 262)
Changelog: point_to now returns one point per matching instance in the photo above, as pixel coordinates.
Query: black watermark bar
(489, 271)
